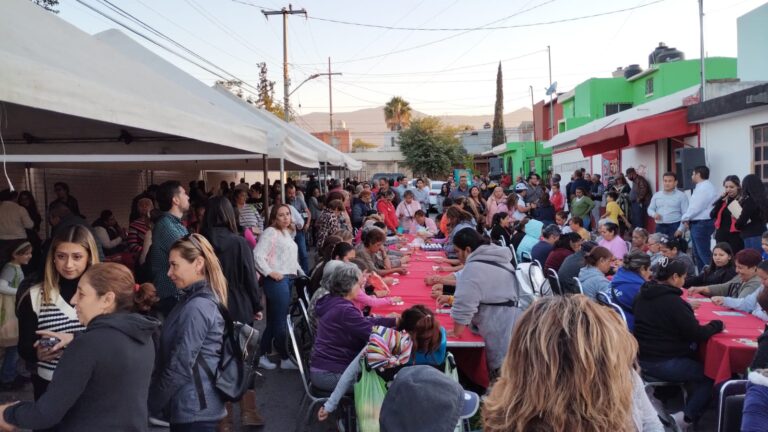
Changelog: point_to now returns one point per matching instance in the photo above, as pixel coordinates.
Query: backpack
(239, 354)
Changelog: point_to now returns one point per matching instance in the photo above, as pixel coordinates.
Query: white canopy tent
(67, 97)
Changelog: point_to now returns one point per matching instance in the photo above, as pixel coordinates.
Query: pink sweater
(362, 300)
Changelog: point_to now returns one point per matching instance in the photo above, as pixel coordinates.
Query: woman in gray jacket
(192, 333)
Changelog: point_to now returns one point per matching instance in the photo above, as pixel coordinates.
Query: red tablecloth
(729, 352)
(468, 349)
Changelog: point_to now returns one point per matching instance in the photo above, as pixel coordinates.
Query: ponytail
(670, 267)
(118, 279)
(596, 254)
(195, 245)
(422, 326)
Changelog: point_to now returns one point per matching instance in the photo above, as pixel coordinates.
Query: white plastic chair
(578, 284)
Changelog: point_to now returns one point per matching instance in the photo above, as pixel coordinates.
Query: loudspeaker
(686, 159)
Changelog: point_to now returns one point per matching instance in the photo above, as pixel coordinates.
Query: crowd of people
(137, 308)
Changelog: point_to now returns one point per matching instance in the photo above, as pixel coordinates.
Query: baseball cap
(520, 187)
(418, 390)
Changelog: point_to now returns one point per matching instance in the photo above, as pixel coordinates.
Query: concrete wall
(728, 144)
(752, 31)
(565, 163)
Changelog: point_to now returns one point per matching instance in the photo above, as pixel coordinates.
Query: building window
(613, 108)
(649, 87)
(391, 141)
(760, 146)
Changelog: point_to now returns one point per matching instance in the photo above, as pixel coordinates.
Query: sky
(439, 72)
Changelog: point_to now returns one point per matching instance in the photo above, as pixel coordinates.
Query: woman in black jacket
(667, 333)
(725, 223)
(236, 258)
(102, 379)
(720, 270)
(501, 230)
(754, 212)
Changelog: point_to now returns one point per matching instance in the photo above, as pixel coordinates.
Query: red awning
(610, 138)
(673, 124)
(668, 125)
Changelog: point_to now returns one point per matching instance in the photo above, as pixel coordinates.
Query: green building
(520, 158)
(600, 97)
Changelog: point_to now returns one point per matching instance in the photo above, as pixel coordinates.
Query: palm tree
(397, 113)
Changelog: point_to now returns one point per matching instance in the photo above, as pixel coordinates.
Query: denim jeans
(755, 243)
(689, 371)
(301, 242)
(586, 220)
(278, 295)
(8, 370)
(668, 229)
(205, 426)
(637, 214)
(324, 380)
(701, 236)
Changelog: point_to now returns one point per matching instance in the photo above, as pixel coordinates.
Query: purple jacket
(342, 331)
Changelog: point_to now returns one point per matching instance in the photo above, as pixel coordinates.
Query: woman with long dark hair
(754, 212)
(725, 223)
(237, 265)
(720, 269)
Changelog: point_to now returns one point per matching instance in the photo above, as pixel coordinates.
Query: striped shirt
(58, 316)
(250, 218)
(136, 232)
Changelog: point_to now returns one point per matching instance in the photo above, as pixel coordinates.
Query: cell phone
(49, 342)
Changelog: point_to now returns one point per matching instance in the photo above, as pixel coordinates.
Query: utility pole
(286, 82)
(551, 108)
(701, 54)
(533, 108)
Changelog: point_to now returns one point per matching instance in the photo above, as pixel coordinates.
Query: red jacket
(387, 210)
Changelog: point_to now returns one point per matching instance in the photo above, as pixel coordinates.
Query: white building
(734, 123)
(479, 141)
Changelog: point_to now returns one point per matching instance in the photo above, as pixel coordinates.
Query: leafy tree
(430, 147)
(360, 145)
(264, 97)
(397, 113)
(49, 5)
(498, 113)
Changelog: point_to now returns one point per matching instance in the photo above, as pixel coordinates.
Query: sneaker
(154, 421)
(264, 363)
(287, 364)
(679, 418)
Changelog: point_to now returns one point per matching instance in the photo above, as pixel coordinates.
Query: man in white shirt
(697, 218)
(668, 205)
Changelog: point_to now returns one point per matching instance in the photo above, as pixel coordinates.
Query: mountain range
(368, 124)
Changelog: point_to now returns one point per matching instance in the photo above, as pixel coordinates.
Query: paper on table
(748, 342)
(735, 208)
(728, 313)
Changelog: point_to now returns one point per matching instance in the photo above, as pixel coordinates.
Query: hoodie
(342, 331)
(755, 413)
(532, 234)
(594, 281)
(479, 286)
(101, 382)
(665, 326)
(625, 286)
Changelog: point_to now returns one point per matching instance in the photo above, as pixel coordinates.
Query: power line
(146, 26)
(535, 24)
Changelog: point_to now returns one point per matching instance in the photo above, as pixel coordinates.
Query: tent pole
(45, 202)
(325, 165)
(282, 180)
(265, 187)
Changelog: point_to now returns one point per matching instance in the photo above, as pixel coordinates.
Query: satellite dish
(552, 88)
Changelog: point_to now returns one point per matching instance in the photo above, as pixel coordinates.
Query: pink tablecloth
(469, 349)
(731, 351)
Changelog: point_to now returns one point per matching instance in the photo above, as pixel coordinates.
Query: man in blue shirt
(173, 201)
(697, 216)
(668, 205)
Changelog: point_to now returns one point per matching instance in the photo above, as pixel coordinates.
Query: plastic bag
(370, 391)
